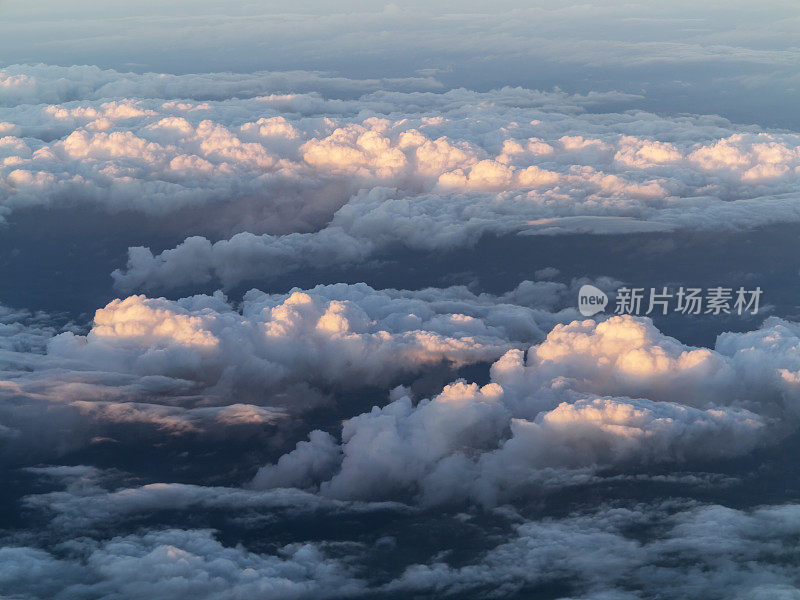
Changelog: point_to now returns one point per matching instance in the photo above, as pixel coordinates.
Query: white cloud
(333, 334)
(200, 365)
(23, 331)
(304, 180)
(173, 563)
(51, 84)
(591, 395)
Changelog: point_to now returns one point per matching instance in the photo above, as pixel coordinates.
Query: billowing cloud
(332, 333)
(299, 179)
(200, 363)
(377, 220)
(151, 143)
(591, 395)
(170, 563)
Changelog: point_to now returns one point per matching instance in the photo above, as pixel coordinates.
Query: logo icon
(591, 300)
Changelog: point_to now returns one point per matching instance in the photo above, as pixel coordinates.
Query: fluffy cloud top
(336, 333)
(592, 394)
(307, 181)
(197, 363)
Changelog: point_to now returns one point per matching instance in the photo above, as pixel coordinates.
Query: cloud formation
(299, 179)
(197, 363)
(85, 504)
(699, 550)
(671, 548)
(219, 449)
(170, 563)
(592, 395)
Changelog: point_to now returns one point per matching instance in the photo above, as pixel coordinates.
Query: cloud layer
(671, 549)
(346, 441)
(297, 180)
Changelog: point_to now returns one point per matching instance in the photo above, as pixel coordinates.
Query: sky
(291, 300)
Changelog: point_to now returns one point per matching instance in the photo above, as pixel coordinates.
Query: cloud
(201, 365)
(298, 179)
(614, 394)
(170, 563)
(706, 550)
(377, 220)
(51, 84)
(92, 501)
(23, 331)
(296, 156)
(546, 474)
(331, 333)
(667, 548)
(617, 393)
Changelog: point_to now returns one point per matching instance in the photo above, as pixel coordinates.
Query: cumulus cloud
(699, 550)
(24, 331)
(337, 334)
(377, 220)
(147, 143)
(591, 395)
(170, 563)
(302, 179)
(579, 424)
(199, 363)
